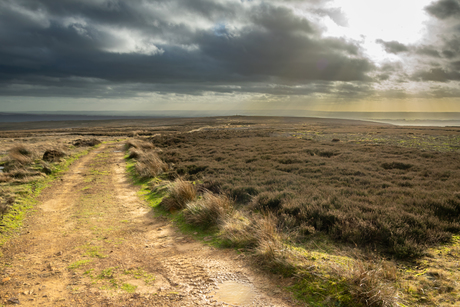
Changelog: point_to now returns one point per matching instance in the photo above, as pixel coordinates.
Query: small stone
(206, 239)
(13, 300)
(6, 279)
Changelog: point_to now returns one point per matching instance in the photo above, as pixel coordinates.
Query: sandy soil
(93, 242)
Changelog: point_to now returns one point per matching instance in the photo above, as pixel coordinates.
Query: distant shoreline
(393, 118)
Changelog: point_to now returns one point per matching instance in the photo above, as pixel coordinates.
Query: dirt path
(93, 242)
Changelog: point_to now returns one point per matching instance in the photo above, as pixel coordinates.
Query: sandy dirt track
(93, 242)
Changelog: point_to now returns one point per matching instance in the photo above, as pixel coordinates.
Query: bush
(181, 192)
(243, 194)
(396, 165)
(208, 211)
(84, 143)
(270, 201)
(53, 155)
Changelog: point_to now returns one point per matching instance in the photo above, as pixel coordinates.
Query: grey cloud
(393, 46)
(122, 49)
(335, 14)
(444, 9)
(252, 43)
(437, 74)
(428, 51)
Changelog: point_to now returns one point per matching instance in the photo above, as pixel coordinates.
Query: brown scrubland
(359, 214)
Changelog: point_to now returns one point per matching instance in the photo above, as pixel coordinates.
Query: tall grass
(149, 165)
(209, 210)
(181, 192)
(22, 154)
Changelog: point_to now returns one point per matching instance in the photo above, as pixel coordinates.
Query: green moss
(323, 292)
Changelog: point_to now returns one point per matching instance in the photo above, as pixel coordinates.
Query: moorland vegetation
(282, 197)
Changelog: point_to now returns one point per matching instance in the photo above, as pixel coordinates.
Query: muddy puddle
(1, 169)
(234, 293)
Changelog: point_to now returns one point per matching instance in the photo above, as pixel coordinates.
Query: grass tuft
(149, 165)
(181, 192)
(210, 210)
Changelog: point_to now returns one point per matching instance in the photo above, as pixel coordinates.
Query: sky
(333, 55)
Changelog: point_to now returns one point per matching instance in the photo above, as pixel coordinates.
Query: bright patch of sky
(391, 20)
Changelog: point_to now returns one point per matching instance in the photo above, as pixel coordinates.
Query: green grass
(154, 198)
(140, 274)
(314, 291)
(128, 288)
(26, 197)
(79, 263)
(95, 252)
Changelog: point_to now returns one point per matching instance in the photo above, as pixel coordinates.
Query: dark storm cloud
(393, 46)
(60, 47)
(444, 9)
(428, 51)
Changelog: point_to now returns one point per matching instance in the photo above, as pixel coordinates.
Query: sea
(440, 119)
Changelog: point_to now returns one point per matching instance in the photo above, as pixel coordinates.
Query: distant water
(16, 117)
(441, 119)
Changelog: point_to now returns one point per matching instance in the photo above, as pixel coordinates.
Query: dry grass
(138, 144)
(134, 153)
(210, 210)
(6, 201)
(22, 154)
(372, 283)
(149, 165)
(181, 192)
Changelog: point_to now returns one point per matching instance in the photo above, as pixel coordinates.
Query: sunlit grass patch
(79, 263)
(139, 273)
(128, 288)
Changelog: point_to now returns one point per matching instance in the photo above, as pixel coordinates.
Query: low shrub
(270, 201)
(396, 165)
(53, 155)
(86, 143)
(243, 194)
(210, 210)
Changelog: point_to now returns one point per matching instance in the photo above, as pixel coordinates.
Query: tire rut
(94, 242)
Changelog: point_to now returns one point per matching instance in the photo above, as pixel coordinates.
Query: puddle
(234, 293)
(117, 151)
(1, 169)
